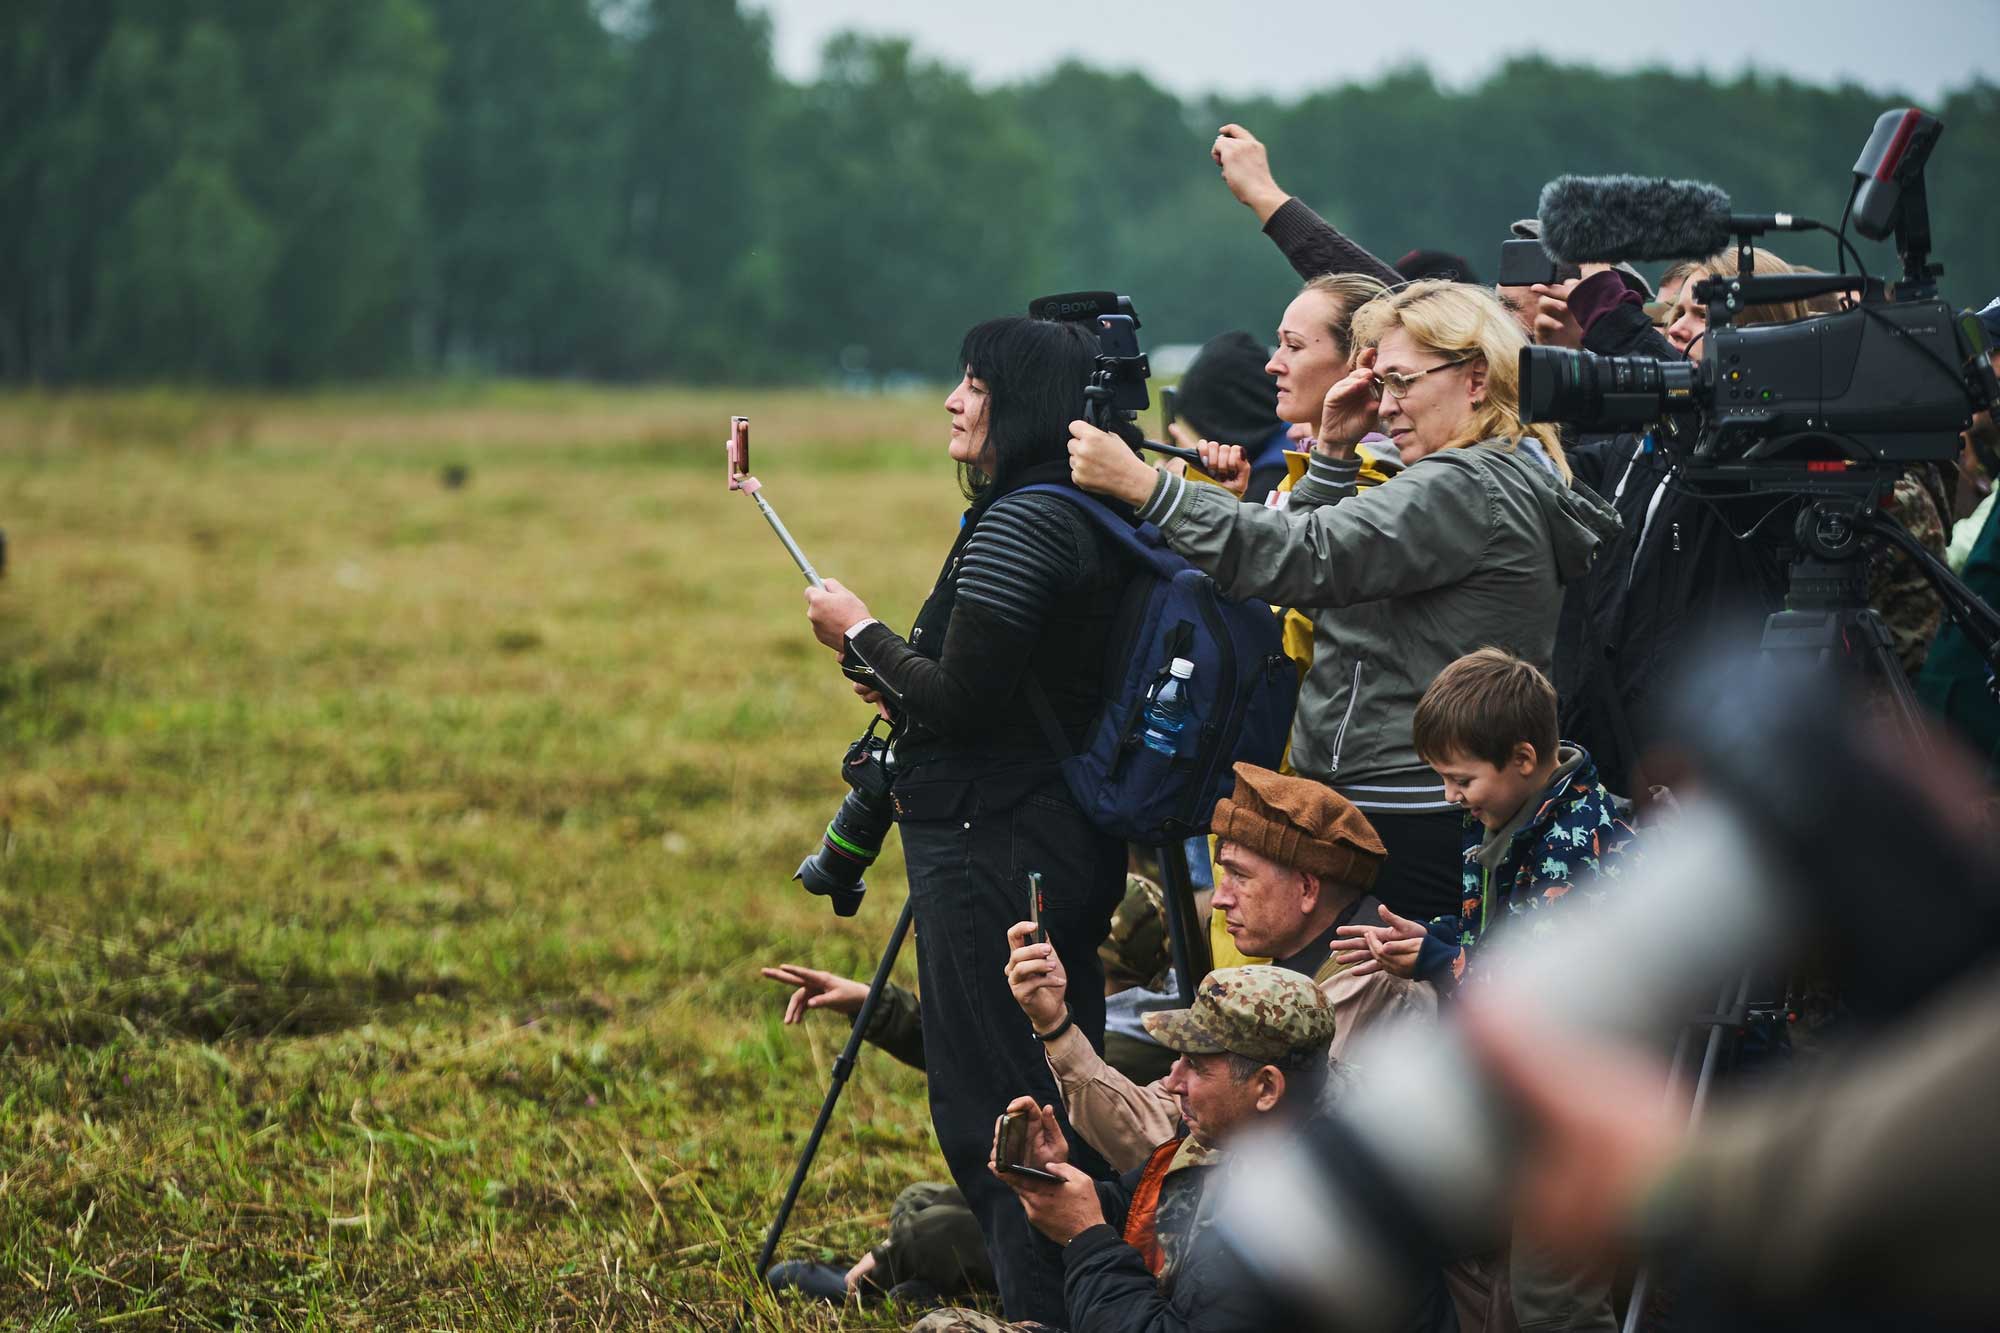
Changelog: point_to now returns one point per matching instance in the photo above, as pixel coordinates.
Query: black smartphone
(1011, 1149)
(1169, 411)
(1525, 263)
(1040, 936)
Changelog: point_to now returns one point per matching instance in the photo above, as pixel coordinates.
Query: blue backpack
(1240, 698)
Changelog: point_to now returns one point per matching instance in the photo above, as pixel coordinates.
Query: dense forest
(324, 190)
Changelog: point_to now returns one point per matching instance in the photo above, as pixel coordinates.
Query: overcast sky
(1917, 47)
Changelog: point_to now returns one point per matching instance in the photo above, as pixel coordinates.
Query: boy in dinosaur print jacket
(1540, 827)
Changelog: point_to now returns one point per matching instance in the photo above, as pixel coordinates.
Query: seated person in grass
(1539, 826)
(934, 1250)
(1137, 1251)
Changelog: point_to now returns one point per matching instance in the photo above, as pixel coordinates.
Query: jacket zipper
(1340, 736)
(1485, 899)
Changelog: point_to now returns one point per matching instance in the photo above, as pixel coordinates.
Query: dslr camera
(853, 839)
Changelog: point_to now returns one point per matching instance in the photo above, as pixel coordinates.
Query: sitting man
(1297, 860)
(1135, 1250)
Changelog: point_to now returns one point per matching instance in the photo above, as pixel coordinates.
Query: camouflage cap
(1135, 952)
(1263, 1013)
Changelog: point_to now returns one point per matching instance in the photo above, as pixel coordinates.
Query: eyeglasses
(1397, 385)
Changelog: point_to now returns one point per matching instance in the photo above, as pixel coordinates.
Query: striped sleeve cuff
(1327, 480)
(1168, 493)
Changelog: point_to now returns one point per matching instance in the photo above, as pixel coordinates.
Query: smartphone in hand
(1035, 907)
(1010, 1149)
(1525, 263)
(739, 451)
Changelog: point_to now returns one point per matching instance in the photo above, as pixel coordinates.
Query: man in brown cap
(1298, 862)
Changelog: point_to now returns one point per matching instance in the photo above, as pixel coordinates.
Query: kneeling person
(1252, 1051)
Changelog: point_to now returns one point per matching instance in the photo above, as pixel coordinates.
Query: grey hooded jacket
(1467, 548)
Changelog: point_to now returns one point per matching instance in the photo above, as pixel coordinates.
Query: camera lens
(851, 843)
(1585, 389)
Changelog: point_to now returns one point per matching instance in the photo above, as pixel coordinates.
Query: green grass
(385, 867)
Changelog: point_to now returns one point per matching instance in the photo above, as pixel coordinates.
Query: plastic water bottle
(1167, 715)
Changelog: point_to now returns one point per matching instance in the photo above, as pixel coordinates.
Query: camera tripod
(1827, 621)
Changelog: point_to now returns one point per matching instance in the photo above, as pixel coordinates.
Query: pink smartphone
(739, 451)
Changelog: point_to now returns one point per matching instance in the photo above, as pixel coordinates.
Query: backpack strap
(1142, 542)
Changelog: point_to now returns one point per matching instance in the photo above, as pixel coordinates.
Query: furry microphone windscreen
(1606, 219)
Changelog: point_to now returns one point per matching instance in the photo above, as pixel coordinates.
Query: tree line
(240, 191)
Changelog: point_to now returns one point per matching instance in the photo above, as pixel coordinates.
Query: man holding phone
(1252, 1051)
(1299, 862)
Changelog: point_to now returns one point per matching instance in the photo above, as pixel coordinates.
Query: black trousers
(1423, 875)
(968, 881)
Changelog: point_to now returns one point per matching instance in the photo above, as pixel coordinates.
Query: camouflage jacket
(1909, 606)
(1574, 839)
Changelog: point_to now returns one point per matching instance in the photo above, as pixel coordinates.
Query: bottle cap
(1182, 668)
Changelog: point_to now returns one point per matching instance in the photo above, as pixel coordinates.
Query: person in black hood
(1023, 606)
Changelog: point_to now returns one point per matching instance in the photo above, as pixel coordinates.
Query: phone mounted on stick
(738, 448)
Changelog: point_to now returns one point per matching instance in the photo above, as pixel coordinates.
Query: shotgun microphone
(1608, 219)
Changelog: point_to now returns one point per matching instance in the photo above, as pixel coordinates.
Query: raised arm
(1309, 242)
(1116, 1116)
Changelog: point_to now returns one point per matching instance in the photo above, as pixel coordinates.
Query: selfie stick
(753, 488)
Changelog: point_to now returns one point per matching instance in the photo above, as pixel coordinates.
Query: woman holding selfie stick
(1023, 607)
(1469, 546)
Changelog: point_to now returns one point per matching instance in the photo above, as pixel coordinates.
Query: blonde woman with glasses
(1469, 547)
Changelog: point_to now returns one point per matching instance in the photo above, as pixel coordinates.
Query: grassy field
(385, 867)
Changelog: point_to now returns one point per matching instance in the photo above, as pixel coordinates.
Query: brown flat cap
(1300, 823)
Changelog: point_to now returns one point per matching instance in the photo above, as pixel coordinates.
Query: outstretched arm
(1308, 241)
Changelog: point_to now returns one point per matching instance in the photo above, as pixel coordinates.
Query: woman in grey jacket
(1468, 547)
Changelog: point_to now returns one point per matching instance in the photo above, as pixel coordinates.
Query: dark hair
(1034, 371)
(1482, 706)
(1420, 264)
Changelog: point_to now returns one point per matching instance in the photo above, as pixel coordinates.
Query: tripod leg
(842, 1067)
(1726, 1015)
(1187, 941)
(1878, 652)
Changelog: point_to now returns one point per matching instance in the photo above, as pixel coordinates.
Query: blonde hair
(1455, 320)
(1349, 292)
(1763, 263)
